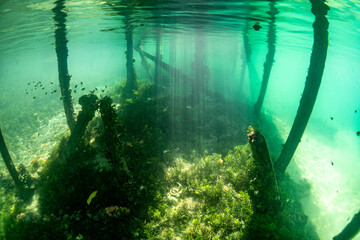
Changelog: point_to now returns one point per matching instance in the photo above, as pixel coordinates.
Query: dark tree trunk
(269, 57)
(312, 85)
(351, 230)
(62, 54)
(131, 83)
(25, 192)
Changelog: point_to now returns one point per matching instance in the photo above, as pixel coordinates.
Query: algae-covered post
(312, 85)
(24, 191)
(131, 82)
(351, 230)
(269, 57)
(62, 54)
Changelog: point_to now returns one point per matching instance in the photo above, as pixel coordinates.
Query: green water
(328, 157)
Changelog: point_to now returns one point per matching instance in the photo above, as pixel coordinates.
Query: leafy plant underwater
(161, 188)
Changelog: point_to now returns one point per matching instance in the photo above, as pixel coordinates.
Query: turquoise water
(97, 45)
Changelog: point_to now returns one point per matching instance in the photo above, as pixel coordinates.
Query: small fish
(256, 26)
(34, 97)
(358, 133)
(103, 90)
(355, 111)
(92, 91)
(76, 86)
(82, 89)
(42, 88)
(28, 83)
(27, 92)
(74, 91)
(331, 118)
(81, 83)
(96, 89)
(45, 93)
(105, 86)
(61, 98)
(332, 164)
(51, 83)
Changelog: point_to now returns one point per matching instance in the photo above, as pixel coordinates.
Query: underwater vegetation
(127, 178)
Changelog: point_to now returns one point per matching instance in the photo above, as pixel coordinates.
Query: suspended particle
(358, 133)
(74, 91)
(82, 89)
(51, 83)
(81, 83)
(331, 118)
(28, 83)
(76, 86)
(103, 90)
(332, 163)
(45, 93)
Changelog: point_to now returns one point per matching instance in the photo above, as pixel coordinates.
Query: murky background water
(328, 157)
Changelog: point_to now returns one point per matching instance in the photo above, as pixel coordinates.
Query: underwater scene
(158, 119)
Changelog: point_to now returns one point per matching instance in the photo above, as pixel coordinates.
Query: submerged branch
(172, 70)
(25, 191)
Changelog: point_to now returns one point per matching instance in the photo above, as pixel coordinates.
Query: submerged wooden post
(131, 83)
(269, 57)
(266, 173)
(62, 54)
(24, 191)
(144, 62)
(312, 85)
(158, 57)
(351, 230)
(200, 70)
